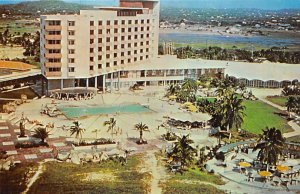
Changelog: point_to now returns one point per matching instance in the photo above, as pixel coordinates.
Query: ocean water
(76, 112)
(190, 38)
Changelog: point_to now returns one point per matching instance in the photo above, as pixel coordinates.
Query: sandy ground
(11, 52)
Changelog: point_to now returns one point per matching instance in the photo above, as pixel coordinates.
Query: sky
(259, 4)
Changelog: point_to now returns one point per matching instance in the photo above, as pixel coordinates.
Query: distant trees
(218, 53)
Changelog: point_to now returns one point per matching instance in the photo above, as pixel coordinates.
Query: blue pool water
(72, 112)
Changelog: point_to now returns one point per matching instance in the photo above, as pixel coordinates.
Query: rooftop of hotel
(15, 65)
(259, 71)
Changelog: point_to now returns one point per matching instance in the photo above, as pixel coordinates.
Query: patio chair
(276, 183)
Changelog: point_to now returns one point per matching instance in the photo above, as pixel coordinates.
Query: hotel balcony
(53, 37)
(53, 55)
(52, 46)
(53, 28)
(53, 74)
(48, 64)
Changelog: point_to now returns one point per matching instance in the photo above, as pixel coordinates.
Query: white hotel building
(110, 47)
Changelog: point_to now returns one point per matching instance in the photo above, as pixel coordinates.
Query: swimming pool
(73, 112)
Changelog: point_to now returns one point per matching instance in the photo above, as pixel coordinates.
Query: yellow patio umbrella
(282, 168)
(173, 97)
(244, 164)
(188, 104)
(192, 108)
(265, 173)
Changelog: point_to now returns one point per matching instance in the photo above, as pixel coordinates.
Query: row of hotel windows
(100, 23)
(123, 22)
(72, 69)
(123, 30)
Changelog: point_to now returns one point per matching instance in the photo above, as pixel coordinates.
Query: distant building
(168, 48)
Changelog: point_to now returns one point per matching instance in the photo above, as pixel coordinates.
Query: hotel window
(129, 60)
(108, 31)
(107, 39)
(71, 32)
(107, 64)
(142, 35)
(91, 50)
(53, 69)
(135, 52)
(122, 38)
(123, 30)
(71, 69)
(71, 60)
(135, 44)
(99, 66)
(147, 42)
(122, 62)
(53, 41)
(122, 54)
(115, 38)
(129, 21)
(54, 23)
(116, 22)
(142, 29)
(99, 23)
(142, 43)
(115, 55)
(148, 35)
(100, 49)
(122, 46)
(129, 45)
(71, 23)
(129, 37)
(147, 56)
(91, 23)
(91, 41)
(54, 60)
(148, 28)
(107, 56)
(71, 42)
(54, 51)
(123, 22)
(99, 57)
(99, 40)
(115, 63)
(136, 29)
(142, 21)
(54, 32)
(129, 29)
(115, 47)
(99, 31)
(135, 37)
(148, 21)
(129, 53)
(141, 50)
(91, 32)
(116, 30)
(141, 58)
(107, 48)
(91, 59)
(136, 21)
(147, 49)
(91, 68)
(108, 22)
(135, 59)
(71, 51)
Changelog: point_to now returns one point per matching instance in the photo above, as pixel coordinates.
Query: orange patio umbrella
(265, 173)
(244, 164)
(282, 168)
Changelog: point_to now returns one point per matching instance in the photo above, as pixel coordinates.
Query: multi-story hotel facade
(107, 47)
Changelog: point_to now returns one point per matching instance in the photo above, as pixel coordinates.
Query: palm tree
(141, 128)
(291, 104)
(41, 133)
(111, 123)
(183, 152)
(172, 90)
(270, 145)
(190, 86)
(77, 130)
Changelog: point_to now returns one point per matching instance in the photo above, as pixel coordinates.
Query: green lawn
(190, 182)
(279, 100)
(259, 115)
(14, 180)
(106, 177)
